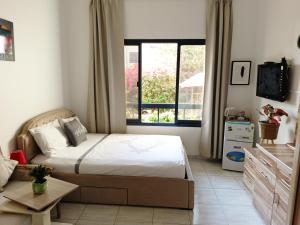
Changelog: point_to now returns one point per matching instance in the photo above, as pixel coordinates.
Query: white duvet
(65, 159)
(125, 155)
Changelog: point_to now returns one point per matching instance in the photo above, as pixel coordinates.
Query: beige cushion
(7, 167)
(50, 138)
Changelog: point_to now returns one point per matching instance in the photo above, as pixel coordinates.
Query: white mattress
(123, 154)
(137, 155)
(65, 159)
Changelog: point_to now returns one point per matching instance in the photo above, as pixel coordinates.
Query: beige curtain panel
(217, 68)
(106, 104)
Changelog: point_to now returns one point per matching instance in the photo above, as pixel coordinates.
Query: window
(164, 81)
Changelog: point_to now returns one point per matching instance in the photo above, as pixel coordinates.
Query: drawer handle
(285, 183)
(250, 158)
(276, 199)
(265, 162)
(265, 176)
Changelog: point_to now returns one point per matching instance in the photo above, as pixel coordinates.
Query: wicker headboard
(26, 142)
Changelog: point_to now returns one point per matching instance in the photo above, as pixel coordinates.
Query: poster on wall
(240, 72)
(7, 51)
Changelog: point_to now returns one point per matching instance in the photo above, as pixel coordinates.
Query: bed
(124, 169)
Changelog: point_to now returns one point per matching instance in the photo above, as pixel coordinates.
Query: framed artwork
(7, 49)
(240, 72)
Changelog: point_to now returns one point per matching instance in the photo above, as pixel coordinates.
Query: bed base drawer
(98, 195)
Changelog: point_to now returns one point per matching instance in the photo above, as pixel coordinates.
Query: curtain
(106, 101)
(218, 53)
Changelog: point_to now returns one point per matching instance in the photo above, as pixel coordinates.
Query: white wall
(278, 28)
(165, 19)
(33, 83)
(243, 48)
(75, 52)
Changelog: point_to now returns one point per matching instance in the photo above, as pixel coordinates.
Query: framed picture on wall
(7, 50)
(240, 72)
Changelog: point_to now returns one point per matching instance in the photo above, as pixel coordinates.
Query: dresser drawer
(250, 160)
(284, 176)
(280, 206)
(267, 161)
(265, 176)
(263, 200)
(248, 179)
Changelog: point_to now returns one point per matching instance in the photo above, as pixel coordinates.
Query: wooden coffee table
(24, 201)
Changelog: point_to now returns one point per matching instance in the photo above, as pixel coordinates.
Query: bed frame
(108, 189)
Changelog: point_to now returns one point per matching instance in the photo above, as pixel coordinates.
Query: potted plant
(39, 185)
(268, 128)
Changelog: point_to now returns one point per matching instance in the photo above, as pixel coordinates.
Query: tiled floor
(220, 199)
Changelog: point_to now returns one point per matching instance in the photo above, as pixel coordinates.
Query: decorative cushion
(50, 138)
(7, 167)
(75, 132)
(63, 121)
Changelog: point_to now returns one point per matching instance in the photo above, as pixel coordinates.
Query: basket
(268, 130)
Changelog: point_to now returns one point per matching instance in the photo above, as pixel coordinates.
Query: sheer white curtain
(218, 53)
(106, 106)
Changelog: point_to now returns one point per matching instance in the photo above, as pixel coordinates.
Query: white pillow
(63, 121)
(7, 167)
(50, 138)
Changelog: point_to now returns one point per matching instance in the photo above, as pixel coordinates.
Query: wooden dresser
(267, 175)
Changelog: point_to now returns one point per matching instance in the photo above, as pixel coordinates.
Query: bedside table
(24, 201)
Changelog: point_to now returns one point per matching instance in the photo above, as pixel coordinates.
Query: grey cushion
(75, 132)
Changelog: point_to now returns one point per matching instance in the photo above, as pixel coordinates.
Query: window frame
(179, 42)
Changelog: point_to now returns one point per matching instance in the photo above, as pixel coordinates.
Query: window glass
(131, 78)
(191, 82)
(159, 62)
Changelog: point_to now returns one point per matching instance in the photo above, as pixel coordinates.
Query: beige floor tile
(91, 222)
(202, 182)
(225, 173)
(208, 165)
(241, 183)
(224, 182)
(104, 214)
(71, 210)
(208, 215)
(176, 216)
(234, 197)
(132, 223)
(73, 222)
(237, 215)
(135, 214)
(168, 224)
(206, 196)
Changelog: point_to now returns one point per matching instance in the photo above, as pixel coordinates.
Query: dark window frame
(177, 123)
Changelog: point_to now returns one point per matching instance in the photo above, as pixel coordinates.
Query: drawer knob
(276, 198)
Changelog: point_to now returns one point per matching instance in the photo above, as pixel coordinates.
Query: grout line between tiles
(115, 220)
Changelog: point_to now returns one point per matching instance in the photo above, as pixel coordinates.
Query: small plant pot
(268, 131)
(39, 188)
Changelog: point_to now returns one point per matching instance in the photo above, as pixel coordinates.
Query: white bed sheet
(136, 155)
(65, 159)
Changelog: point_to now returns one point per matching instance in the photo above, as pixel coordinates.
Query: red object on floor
(19, 156)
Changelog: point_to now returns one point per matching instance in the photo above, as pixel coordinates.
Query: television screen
(272, 82)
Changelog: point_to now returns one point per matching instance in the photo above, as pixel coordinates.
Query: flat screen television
(273, 81)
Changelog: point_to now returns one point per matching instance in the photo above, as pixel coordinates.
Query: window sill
(191, 124)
